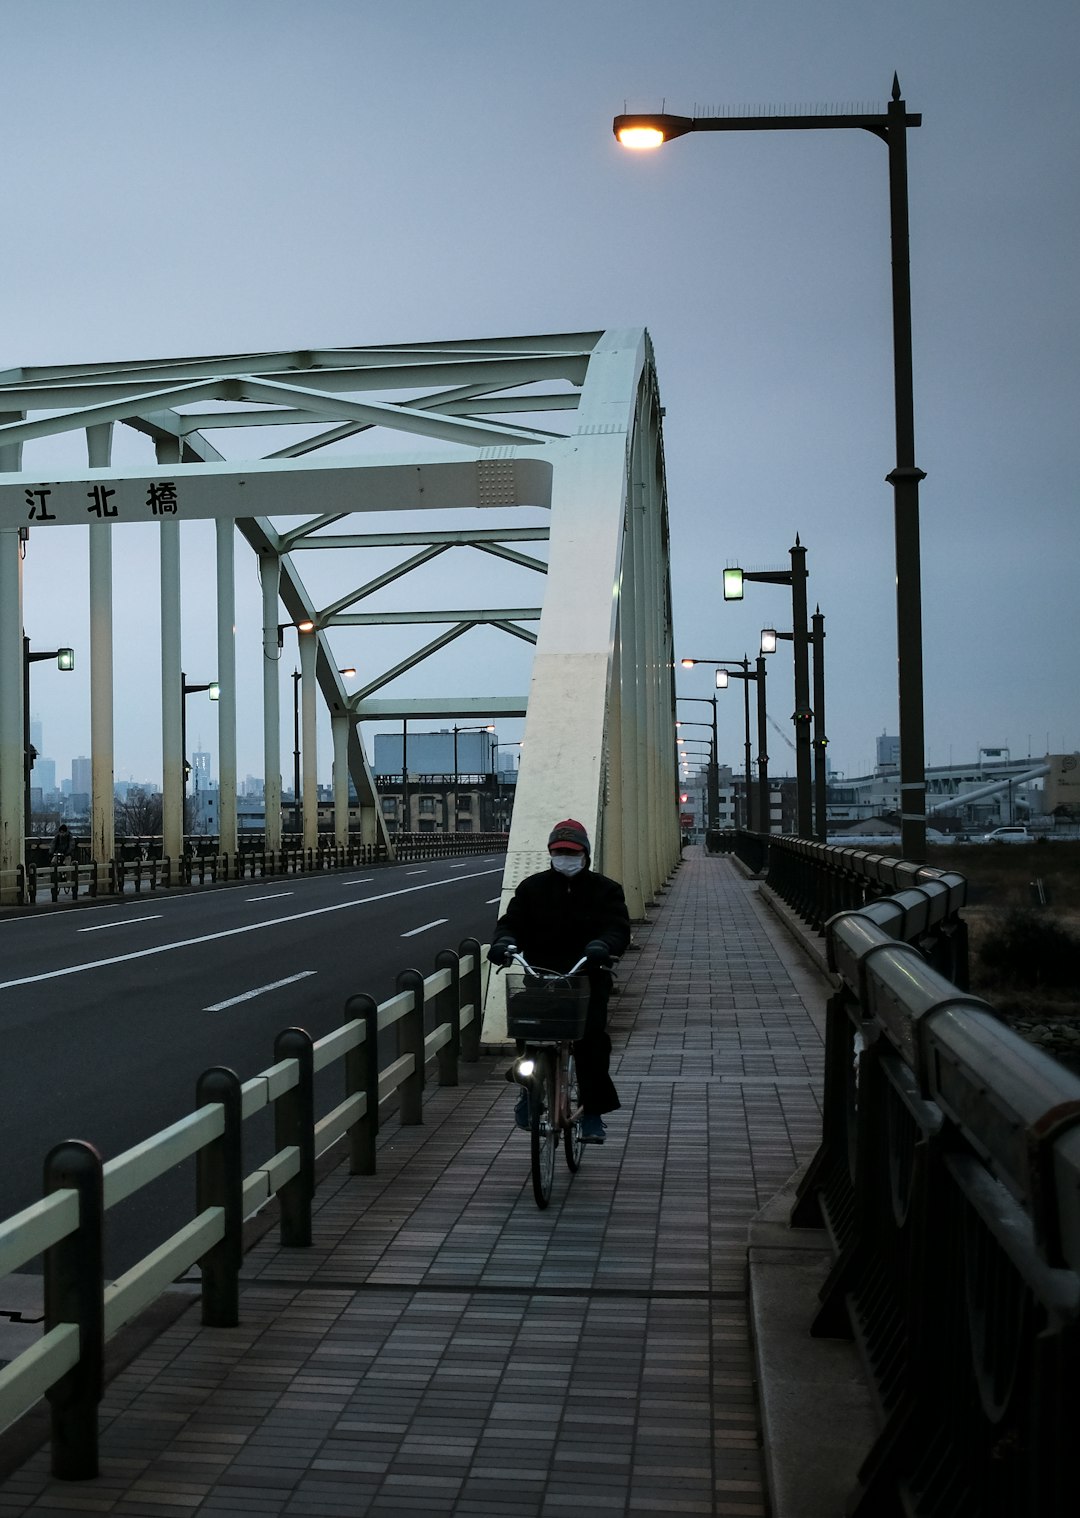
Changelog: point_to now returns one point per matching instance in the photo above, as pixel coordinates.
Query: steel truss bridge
(565, 426)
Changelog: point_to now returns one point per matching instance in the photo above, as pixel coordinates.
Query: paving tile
(444, 1347)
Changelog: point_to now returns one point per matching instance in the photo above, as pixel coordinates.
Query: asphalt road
(108, 1014)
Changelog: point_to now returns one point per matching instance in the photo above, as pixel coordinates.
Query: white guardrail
(437, 1018)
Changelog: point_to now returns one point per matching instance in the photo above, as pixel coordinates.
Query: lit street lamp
(65, 660)
(714, 763)
(802, 715)
(744, 674)
(816, 640)
(644, 131)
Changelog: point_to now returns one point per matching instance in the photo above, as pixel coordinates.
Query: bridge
(600, 703)
(807, 1086)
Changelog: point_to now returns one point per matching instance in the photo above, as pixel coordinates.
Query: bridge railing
(948, 1179)
(433, 1018)
(140, 863)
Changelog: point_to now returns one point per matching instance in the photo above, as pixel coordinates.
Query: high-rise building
(81, 775)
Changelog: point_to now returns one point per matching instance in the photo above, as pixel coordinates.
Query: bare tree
(139, 814)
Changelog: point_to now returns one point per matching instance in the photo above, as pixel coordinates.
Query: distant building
(81, 775)
(433, 753)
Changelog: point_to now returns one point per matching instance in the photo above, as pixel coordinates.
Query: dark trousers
(592, 1055)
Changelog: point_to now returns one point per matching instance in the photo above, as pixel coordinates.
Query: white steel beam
(102, 768)
(226, 675)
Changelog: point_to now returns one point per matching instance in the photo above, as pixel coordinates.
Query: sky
(237, 175)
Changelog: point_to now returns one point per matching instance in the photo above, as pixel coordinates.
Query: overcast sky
(232, 175)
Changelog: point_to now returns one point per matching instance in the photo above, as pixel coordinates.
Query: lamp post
(186, 690)
(744, 674)
(708, 821)
(891, 127)
(802, 715)
(296, 748)
(65, 660)
(816, 640)
(714, 763)
(484, 728)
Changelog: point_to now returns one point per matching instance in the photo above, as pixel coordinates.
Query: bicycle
(546, 1011)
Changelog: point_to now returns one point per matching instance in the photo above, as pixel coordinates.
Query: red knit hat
(568, 837)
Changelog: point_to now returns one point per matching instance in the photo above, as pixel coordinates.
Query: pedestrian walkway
(446, 1348)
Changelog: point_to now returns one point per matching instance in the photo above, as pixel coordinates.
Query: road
(108, 1014)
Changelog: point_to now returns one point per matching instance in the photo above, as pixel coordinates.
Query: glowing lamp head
(213, 690)
(721, 679)
(768, 640)
(65, 658)
(733, 584)
(640, 137)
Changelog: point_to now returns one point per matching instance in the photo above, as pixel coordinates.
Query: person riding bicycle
(62, 845)
(554, 918)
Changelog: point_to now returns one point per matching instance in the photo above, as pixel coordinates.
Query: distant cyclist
(62, 845)
(554, 918)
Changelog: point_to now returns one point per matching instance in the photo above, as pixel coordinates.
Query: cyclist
(554, 918)
(62, 844)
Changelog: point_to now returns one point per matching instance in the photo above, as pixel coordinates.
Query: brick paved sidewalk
(446, 1348)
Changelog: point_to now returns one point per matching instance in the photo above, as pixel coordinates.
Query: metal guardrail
(438, 1018)
(817, 880)
(948, 1179)
(206, 863)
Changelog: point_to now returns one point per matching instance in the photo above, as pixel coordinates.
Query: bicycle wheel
(573, 1146)
(542, 1127)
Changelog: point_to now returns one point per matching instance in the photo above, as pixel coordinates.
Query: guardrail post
(412, 1028)
(294, 1123)
(448, 1010)
(469, 986)
(362, 1074)
(219, 1182)
(75, 1293)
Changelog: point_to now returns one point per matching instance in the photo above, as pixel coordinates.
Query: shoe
(521, 1110)
(593, 1130)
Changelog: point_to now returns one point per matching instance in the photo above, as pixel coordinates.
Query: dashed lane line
(436, 923)
(275, 985)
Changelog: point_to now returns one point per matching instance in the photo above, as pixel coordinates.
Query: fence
(437, 1018)
(202, 862)
(948, 1179)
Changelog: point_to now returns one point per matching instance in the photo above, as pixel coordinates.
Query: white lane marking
(99, 927)
(459, 866)
(437, 923)
(251, 927)
(366, 880)
(416, 872)
(273, 896)
(493, 901)
(219, 1006)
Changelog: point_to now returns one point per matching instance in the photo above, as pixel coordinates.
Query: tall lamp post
(744, 673)
(708, 821)
(187, 689)
(816, 640)
(802, 715)
(714, 762)
(644, 131)
(484, 728)
(65, 660)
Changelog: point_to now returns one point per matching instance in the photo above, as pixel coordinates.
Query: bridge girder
(600, 710)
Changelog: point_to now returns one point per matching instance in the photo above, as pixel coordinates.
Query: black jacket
(551, 917)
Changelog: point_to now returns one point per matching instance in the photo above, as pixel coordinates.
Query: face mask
(568, 864)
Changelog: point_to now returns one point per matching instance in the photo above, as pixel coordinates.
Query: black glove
(502, 951)
(597, 952)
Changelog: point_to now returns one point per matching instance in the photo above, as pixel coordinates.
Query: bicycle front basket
(540, 1008)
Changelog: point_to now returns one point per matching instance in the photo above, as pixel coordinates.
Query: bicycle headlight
(524, 1069)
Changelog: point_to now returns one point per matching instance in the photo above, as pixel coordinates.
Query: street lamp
(214, 691)
(816, 640)
(643, 131)
(65, 660)
(484, 728)
(714, 767)
(744, 674)
(734, 579)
